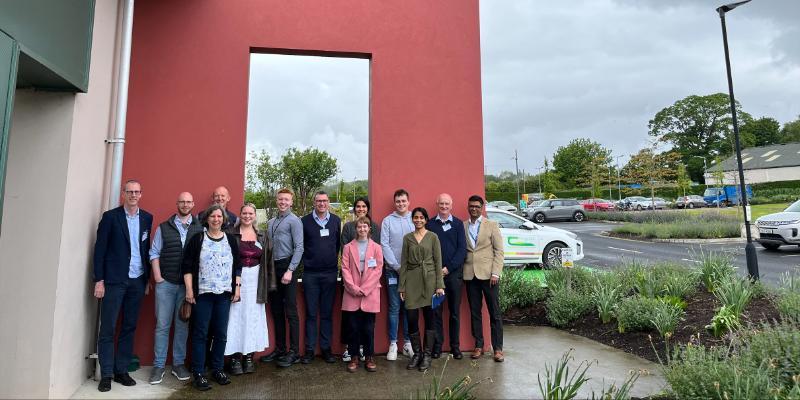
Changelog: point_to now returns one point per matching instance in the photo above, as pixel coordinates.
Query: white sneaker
(392, 354)
(408, 351)
(346, 356)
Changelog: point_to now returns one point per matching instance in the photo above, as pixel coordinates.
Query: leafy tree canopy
(571, 162)
(764, 131)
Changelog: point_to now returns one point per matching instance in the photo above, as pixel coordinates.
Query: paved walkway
(527, 349)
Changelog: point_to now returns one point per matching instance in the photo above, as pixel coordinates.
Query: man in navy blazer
(121, 273)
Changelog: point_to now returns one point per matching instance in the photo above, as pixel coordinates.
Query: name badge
(372, 263)
(446, 227)
(393, 281)
(324, 232)
(258, 244)
(144, 236)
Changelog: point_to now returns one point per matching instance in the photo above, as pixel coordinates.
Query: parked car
(633, 203)
(725, 196)
(528, 211)
(503, 205)
(656, 203)
(775, 230)
(525, 242)
(558, 209)
(597, 205)
(691, 201)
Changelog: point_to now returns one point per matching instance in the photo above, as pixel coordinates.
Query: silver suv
(558, 209)
(780, 228)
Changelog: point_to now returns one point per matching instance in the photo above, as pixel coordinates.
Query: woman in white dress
(247, 324)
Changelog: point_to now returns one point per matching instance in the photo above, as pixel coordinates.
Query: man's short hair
(285, 191)
(475, 197)
(319, 193)
(132, 181)
(400, 192)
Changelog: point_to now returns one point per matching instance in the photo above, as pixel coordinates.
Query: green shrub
(788, 305)
(681, 230)
(566, 305)
(714, 266)
(723, 321)
(605, 295)
(734, 292)
(579, 278)
(676, 302)
(776, 348)
(665, 318)
(519, 290)
(790, 280)
(635, 313)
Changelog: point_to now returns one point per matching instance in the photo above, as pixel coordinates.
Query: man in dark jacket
(454, 250)
(166, 254)
(121, 271)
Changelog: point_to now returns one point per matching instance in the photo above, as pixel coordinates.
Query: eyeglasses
(471, 206)
(186, 202)
(133, 192)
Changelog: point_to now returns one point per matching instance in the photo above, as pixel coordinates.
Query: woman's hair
(422, 211)
(211, 209)
(255, 219)
(364, 220)
(363, 200)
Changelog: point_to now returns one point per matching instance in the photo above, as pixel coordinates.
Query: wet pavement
(527, 349)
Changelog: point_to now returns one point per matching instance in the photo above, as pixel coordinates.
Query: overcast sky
(552, 72)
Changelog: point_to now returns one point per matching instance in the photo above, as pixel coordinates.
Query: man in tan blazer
(482, 270)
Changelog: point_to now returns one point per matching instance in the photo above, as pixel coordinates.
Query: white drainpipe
(118, 139)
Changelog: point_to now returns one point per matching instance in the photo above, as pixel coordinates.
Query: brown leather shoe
(352, 366)
(498, 356)
(477, 353)
(370, 364)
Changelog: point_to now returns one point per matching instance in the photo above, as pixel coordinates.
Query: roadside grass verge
(680, 230)
(757, 210)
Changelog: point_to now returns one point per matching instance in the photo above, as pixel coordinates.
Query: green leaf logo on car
(517, 241)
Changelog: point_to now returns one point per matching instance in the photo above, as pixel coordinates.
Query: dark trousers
(210, 315)
(452, 290)
(413, 319)
(283, 304)
(319, 290)
(477, 291)
(125, 298)
(362, 332)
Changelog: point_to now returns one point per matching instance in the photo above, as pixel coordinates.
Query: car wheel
(578, 217)
(691, 205)
(639, 207)
(770, 246)
(551, 258)
(538, 217)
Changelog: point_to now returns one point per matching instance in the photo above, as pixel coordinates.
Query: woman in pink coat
(362, 266)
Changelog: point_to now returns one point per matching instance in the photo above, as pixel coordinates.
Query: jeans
(283, 305)
(169, 297)
(396, 310)
(477, 290)
(124, 297)
(319, 290)
(210, 315)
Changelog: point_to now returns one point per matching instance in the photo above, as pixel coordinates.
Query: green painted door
(9, 52)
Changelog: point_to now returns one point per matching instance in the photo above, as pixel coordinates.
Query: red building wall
(187, 110)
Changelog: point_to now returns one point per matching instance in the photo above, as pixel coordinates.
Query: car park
(656, 203)
(525, 242)
(597, 205)
(632, 203)
(558, 209)
(691, 201)
(527, 212)
(783, 228)
(503, 205)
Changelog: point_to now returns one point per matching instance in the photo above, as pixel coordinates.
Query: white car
(525, 242)
(503, 205)
(780, 228)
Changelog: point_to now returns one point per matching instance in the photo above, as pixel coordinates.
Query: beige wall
(759, 175)
(55, 192)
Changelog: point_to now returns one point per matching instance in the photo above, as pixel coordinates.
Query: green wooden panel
(55, 36)
(9, 53)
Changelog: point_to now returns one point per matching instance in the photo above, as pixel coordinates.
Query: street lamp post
(619, 182)
(750, 248)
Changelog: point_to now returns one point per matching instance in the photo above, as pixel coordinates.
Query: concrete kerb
(684, 241)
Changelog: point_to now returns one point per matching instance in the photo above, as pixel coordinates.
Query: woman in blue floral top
(212, 274)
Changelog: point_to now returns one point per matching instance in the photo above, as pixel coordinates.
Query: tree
(261, 176)
(791, 131)
(573, 160)
(684, 182)
(651, 168)
(699, 126)
(306, 171)
(595, 171)
(764, 131)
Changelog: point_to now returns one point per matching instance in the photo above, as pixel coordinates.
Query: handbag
(185, 311)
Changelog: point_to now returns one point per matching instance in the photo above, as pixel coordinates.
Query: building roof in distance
(772, 156)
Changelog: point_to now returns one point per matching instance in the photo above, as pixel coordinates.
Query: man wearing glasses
(321, 241)
(121, 272)
(166, 255)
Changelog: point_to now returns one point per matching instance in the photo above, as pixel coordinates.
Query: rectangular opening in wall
(307, 112)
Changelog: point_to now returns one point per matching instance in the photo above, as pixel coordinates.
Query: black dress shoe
(236, 366)
(328, 356)
(456, 353)
(436, 354)
(288, 360)
(104, 385)
(308, 358)
(220, 378)
(200, 383)
(247, 364)
(124, 379)
(274, 355)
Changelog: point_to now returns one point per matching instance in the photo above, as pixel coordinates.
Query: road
(604, 252)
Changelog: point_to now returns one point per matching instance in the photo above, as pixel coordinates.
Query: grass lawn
(757, 210)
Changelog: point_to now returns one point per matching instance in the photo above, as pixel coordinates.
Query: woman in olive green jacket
(420, 280)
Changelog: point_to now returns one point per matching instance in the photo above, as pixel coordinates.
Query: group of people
(228, 271)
